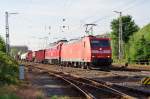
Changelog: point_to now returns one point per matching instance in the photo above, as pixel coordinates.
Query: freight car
(23, 57)
(87, 51)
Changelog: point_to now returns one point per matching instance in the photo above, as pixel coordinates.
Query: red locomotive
(87, 51)
(40, 56)
(53, 54)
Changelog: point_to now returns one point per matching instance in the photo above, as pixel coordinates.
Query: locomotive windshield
(99, 43)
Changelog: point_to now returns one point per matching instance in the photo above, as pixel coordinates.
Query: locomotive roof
(75, 40)
(57, 42)
(90, 36)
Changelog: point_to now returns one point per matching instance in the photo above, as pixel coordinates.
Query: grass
(59, 97)
(8, 92)
(9, 96)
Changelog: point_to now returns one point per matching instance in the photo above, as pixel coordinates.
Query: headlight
(108, 56)
(93, 56)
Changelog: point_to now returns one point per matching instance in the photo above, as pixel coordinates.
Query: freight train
(85, 52)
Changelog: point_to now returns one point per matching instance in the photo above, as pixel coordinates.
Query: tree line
(136, 41)
(8, 66)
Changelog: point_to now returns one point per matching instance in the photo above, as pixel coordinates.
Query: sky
(40, 22)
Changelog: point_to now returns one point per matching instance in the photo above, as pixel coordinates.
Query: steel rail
(84, 90)
(88, 95)
(107, 84)
(94, 84)
(98, 85)
(129, 89)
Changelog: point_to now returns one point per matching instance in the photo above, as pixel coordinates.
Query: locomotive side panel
(52, 55)
(86, 50)
(72, 52)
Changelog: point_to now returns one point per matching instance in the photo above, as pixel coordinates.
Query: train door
(83, 51)
(59, 49)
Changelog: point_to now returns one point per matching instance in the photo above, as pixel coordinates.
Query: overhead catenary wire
(140, 2)
(134, 4)
(105, 17)
(63, 26)
(130, 3)
(109, 15)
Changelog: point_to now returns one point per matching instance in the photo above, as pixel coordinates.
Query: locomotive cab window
(99, 43)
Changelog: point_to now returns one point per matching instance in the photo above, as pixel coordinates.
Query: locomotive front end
(101, 51)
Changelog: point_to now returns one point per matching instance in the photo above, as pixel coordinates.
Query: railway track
(133, 92)
(92, 89)
(101, 89)
(106, 69)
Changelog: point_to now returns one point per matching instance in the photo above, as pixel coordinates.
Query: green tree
(8, 69)
(139, 45)
(8, 66)
(2, 45)
(128, 28)
(142, 49)
(13, 52)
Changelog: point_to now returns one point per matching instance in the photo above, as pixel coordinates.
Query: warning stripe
(146, 80)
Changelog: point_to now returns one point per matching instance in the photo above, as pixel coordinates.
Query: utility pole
(89, 28)
(120, 36)
(7, 32)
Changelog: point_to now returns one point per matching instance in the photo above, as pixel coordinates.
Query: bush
(139, 46)
(9, 96)
(8, 69)
(2, 45)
